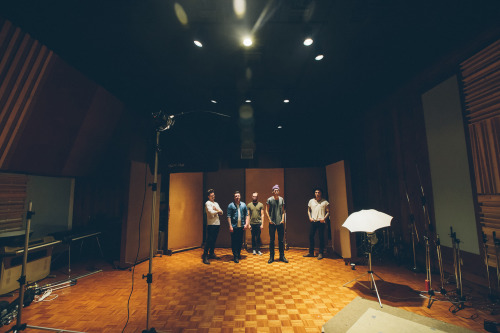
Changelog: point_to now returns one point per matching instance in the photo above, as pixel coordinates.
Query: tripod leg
(376, 290)
(99, 245)
(356, 279)
(378, 276)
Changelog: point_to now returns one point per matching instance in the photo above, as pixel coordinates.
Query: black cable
(138, 247)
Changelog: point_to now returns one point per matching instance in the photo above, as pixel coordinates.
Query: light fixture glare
(308, 41)
(319, 57)
(198, 43)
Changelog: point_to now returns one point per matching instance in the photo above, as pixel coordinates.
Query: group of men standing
(241, 216)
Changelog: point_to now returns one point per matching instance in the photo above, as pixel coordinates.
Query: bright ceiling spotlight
(213, 101)
(247, 41)
(286, 101)
(308, 41)
(279, 126)
(198, 43)
(248, 101)
(319, 57)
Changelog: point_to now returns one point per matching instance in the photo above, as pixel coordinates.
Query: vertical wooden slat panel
(21, 71)
(481, 90)
(12, 200)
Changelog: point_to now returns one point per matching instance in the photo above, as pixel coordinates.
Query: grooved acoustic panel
(185, 222)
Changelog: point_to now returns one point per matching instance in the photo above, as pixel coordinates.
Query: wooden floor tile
(252, 296)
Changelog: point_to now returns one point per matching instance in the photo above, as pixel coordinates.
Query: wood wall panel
(53, 119)
(481, 93)
(300, 184)
(12, 201)
(225, 183)
(23, 62)
(136, 227)
(185, 220)
(339, 190)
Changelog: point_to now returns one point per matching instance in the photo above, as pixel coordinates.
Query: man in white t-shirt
(318, 211)
(213, 225)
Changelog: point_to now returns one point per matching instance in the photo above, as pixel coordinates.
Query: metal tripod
(370, 272)
(19, 326)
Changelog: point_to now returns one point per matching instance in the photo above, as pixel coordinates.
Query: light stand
(440, 262)
(414, 233)
(370, 272)
(457, 260)
(22, 281)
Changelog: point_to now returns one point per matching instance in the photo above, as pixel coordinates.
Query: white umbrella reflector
(367, 220)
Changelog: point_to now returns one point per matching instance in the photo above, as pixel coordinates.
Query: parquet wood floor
(252, 296)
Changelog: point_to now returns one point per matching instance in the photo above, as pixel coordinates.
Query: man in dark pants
(318, 211)
(213, 225)
(275, 210)
(237, 217)
(256, 213)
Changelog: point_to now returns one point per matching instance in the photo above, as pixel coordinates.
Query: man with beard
(256, 213)
(318, 211)
(275, 210)
(237, 217)
(213, 225)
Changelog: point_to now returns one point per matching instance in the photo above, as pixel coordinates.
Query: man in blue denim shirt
(237, 217)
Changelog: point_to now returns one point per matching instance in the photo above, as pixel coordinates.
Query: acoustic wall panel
(185, 221)
(225, 183)
(339, 194)
(262, 181)
(136, 229)
(449, 164)
(300, 184)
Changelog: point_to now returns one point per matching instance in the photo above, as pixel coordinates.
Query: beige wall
(185, 226)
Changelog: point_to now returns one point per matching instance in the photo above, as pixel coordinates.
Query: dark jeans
(212, 232)
(280, 228)
(321, 233)
(236, 241)
(256, 237)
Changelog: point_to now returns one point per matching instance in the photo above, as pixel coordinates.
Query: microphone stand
(19, 326)
(166, 123)
(414, 233)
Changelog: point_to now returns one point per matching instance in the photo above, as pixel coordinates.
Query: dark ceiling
(141, 52)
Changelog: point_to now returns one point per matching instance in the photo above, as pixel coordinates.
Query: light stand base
(372, 282)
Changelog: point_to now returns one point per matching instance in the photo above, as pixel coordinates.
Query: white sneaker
(260, 253)
(254, 253)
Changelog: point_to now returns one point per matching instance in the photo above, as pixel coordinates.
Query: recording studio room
(249, 166)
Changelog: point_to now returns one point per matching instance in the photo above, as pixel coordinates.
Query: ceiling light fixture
(279, 126)
(248, 101)
(213, 101)
(308, 41)
(247, 41)
(319, 57)
(286, 101)
(198, 43)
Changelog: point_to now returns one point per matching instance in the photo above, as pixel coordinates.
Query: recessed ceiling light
(247, 41)
(213, 101)
(286, 101)
(319, 57)
(248, 101)
(198, 43)
(308, 41)
(279, 126)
